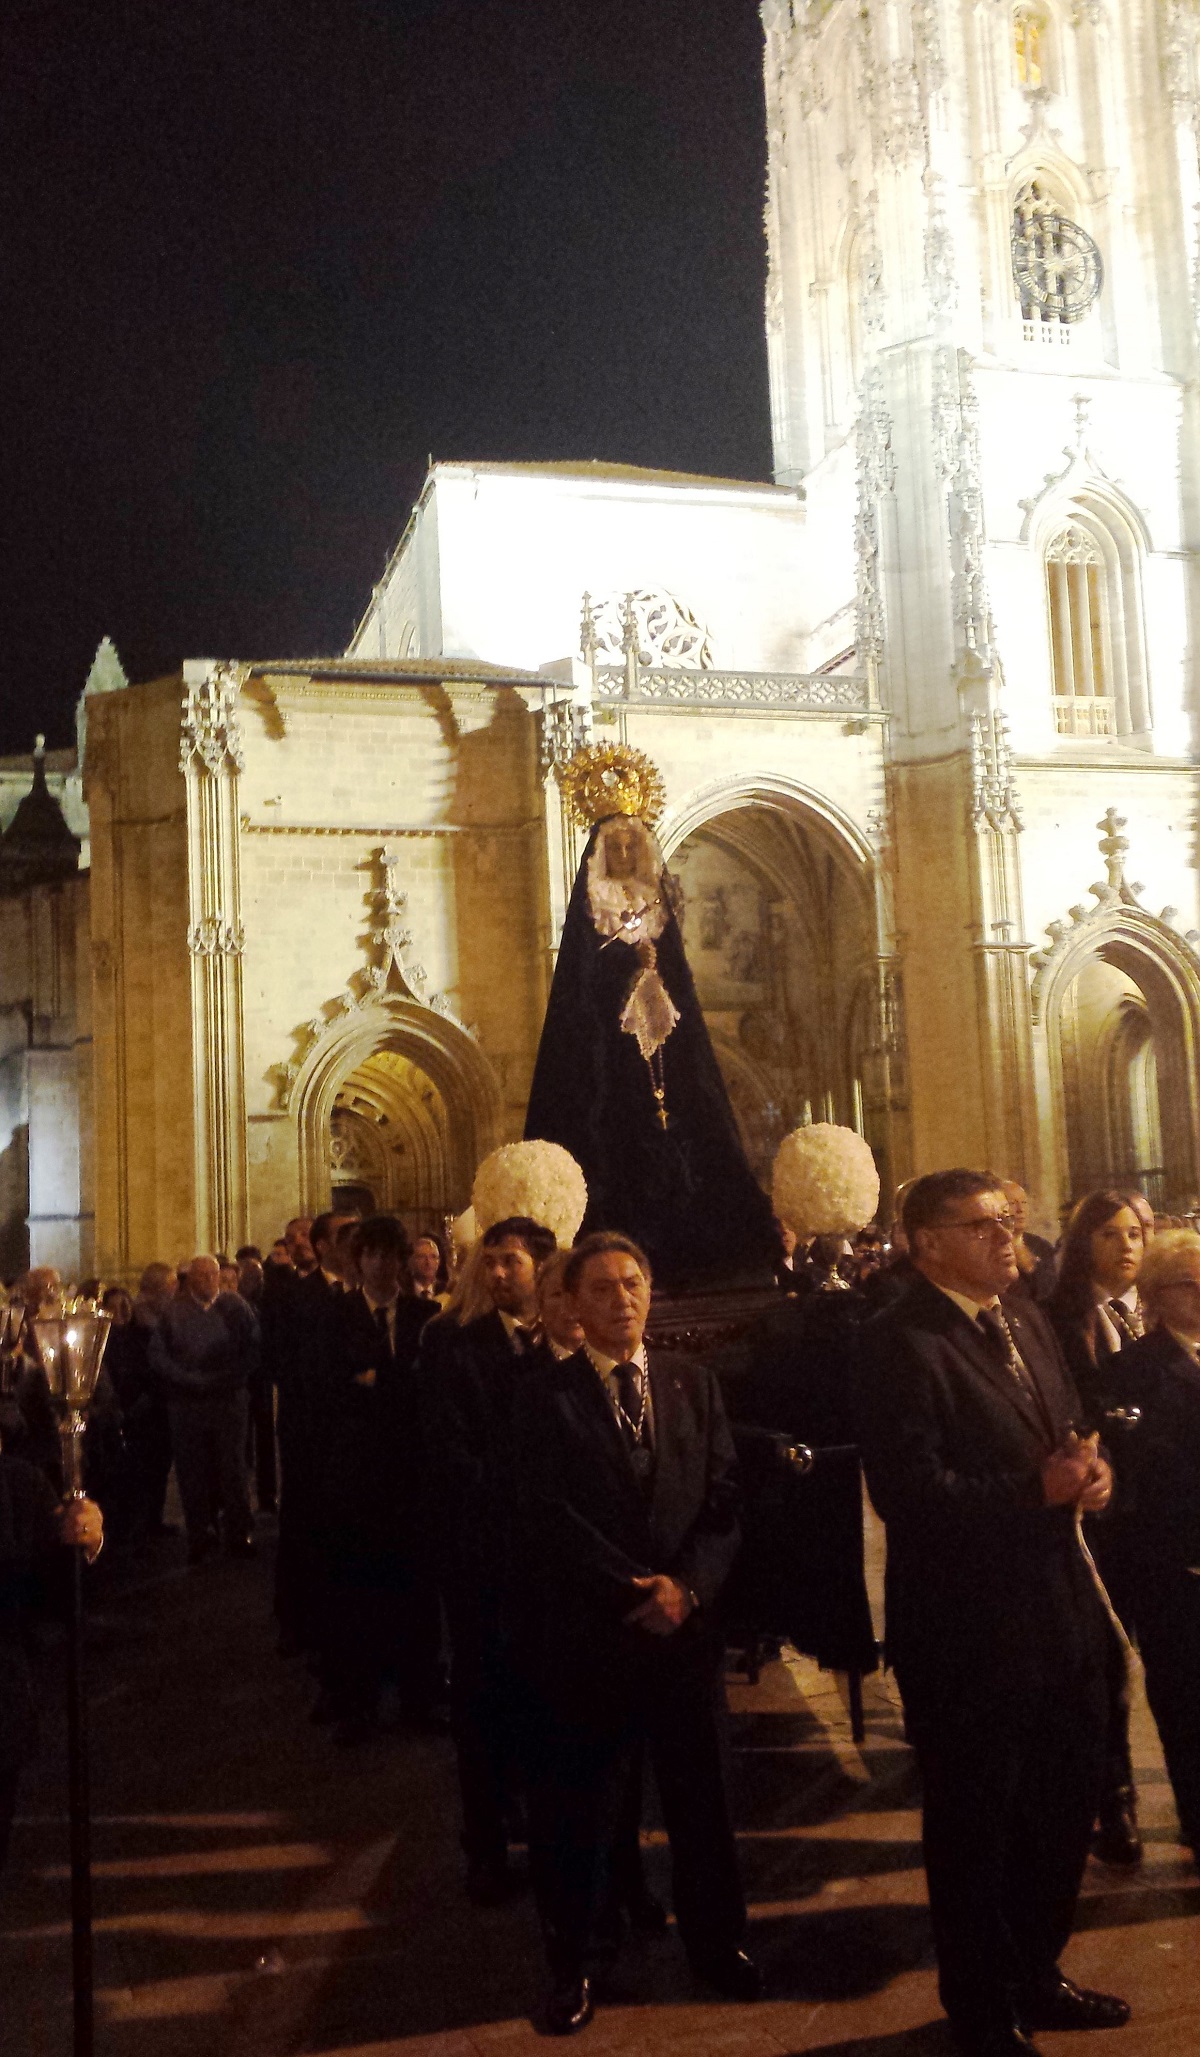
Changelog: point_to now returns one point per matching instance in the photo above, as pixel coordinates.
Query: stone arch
(448, 1153)
(780, 934)
(1118, 991)
(766, 789)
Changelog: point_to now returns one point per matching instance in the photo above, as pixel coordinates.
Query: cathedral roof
(435, 670)
(617, 474)
(37, 846)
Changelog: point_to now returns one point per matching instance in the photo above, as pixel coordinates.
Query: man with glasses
(995, 1625)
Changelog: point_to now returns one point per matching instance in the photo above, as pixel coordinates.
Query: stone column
(211, 761)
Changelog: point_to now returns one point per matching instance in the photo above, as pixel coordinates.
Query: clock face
(1056, 266)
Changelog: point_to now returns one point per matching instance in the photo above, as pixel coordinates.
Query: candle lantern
(71, 1344)
(70, 1341)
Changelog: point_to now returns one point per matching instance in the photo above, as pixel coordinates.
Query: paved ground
(261, 1893)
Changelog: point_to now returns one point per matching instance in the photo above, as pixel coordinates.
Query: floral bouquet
(825, 1182)
(540, 1180)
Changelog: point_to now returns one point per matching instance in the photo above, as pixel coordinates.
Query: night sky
(264, 256)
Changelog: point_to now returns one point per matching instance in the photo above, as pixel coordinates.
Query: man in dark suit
(628, 1487)
(467, 1379)
(1154, 1533)
(380, 1613)
(298, 1314)
(995, 1626)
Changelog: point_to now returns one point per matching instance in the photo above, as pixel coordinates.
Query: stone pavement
(259, 1892)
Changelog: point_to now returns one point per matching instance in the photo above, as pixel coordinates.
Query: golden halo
(611, 778)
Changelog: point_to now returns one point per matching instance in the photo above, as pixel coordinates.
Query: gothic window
(1030, 34)
(1096, 651)
(1075, 576)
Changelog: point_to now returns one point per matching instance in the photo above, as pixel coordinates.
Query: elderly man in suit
(627, 1479)
(995, 1624)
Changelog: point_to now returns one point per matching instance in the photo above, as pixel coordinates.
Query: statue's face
(622, 849)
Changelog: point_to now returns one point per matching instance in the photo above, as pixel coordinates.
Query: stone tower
(982, 310)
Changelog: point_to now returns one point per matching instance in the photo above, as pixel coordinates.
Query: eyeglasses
(982, 1225)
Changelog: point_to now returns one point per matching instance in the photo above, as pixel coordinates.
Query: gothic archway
(1117, 1018)
(780, 935)
(413, 1081)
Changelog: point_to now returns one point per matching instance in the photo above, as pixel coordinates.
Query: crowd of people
(503, 1512)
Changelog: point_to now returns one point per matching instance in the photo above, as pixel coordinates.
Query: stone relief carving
(956, 443)
(667, 633)
(894, 92)
(210, 732)
(391, 973)
(872, 294)
(1116, 892)
(876, 477)
(994, 798)
(216, 936)
(1181, 28)
(816, 692)
(941, 281)
(1082, 463)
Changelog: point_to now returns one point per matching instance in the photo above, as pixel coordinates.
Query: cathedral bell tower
(982, 308)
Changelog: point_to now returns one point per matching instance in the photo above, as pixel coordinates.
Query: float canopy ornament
(611, 778)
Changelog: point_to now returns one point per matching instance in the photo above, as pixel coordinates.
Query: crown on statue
(611, 778)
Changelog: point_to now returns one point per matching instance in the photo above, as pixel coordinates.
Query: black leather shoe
(647, 1916)
(732, 1973)
(996, 2039)
(569, 2007)
(1064, 2005)
(1116, 1840)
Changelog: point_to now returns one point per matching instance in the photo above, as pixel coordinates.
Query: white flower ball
(824, 1182)
(541, 1180)
(464, 1230)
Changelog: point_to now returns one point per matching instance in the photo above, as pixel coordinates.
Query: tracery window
(1077, 586)
(1097, 645)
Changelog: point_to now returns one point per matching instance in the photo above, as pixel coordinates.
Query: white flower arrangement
(541, 1180)
(825, 1182)
(464, 1230)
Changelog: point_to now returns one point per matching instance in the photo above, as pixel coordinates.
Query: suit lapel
(666, 1437)
(590, 1404)
(1044, 1376)
(981, 1357)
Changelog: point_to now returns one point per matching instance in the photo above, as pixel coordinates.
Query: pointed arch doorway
(780, 934)
(1117, 1002)
(395, 1105)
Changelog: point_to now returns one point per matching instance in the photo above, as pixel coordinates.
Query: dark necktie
(521, 1340)
(999, 1340)
(1127, 1321)
(381, 1323)
(629, 1396)
(631, 1420)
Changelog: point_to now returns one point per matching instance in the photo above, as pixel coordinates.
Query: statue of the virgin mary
(626, 1078)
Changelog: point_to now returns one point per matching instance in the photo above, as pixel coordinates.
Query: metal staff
(71, 1347)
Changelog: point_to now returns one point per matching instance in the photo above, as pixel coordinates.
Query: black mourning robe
(685, 1193)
